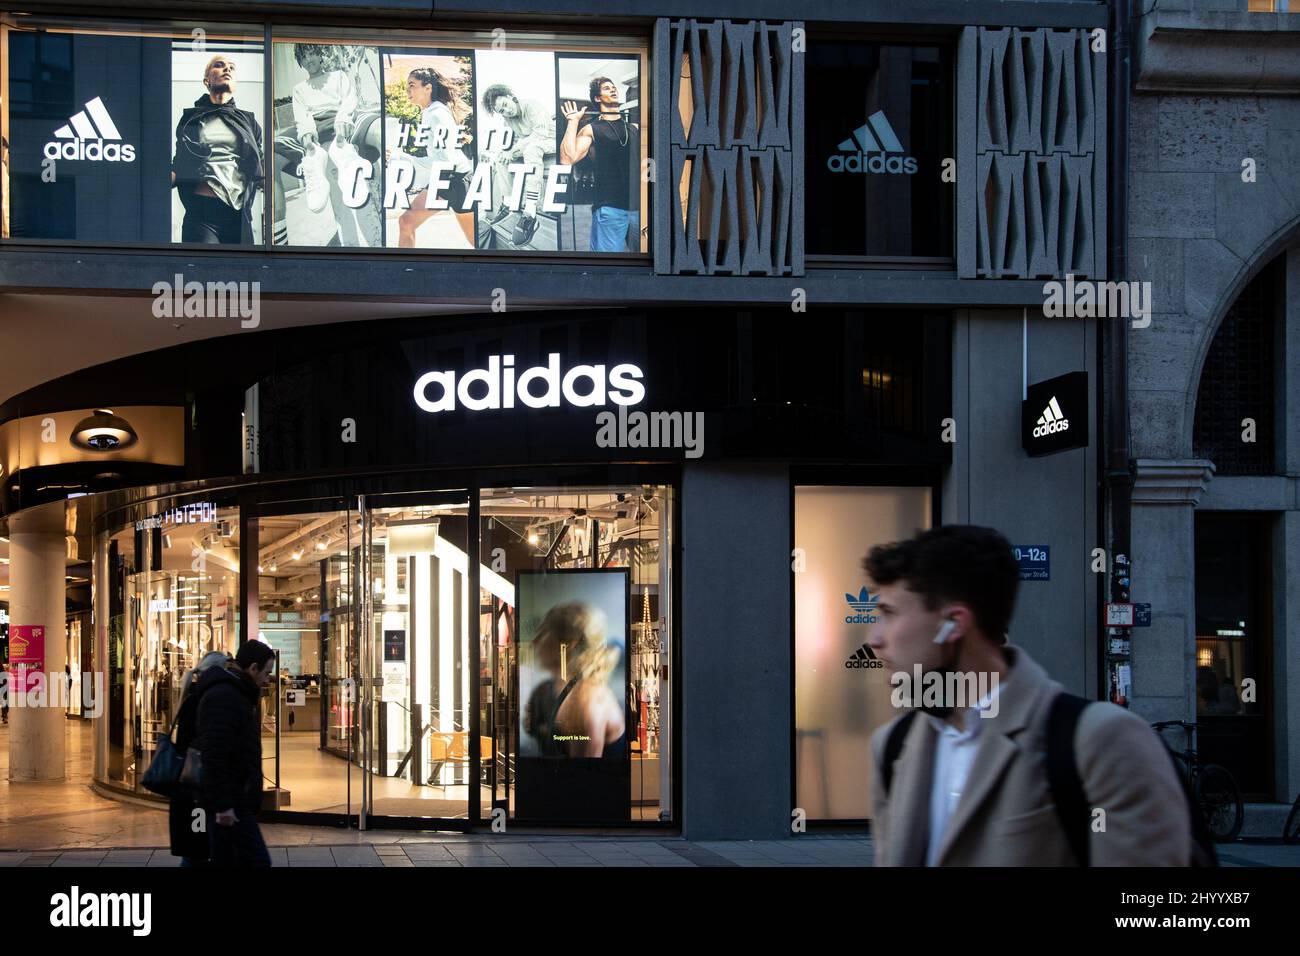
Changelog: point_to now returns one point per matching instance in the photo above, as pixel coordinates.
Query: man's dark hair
(492, 92)
(956, 562)
(593, 91)
(254, 652)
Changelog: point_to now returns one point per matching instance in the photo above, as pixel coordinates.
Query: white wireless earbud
(944, 631)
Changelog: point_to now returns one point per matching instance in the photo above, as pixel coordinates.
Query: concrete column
(37, 562)
(736, 662)
(1165, 494)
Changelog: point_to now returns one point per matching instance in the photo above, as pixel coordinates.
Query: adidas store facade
(818, 343)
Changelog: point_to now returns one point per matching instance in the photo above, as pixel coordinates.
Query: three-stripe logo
(90, 134)
(873, 147)
(1052, 420)
(863, 657)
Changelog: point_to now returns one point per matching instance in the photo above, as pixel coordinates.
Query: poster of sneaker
(328, 155)
(429, 148)
(517, 129)
(599, 135)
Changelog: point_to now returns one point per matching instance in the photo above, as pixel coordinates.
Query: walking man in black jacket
(217, 169)
(230, 738)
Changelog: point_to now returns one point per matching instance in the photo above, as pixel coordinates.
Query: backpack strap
(893, 747)
(1063, 772)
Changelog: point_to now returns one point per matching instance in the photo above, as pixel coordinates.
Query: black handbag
(165, 770)
(191, 776)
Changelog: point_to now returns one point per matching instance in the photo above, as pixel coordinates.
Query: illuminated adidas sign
(90, 134)
(498, 386)
(1052, 420)
(869, 150)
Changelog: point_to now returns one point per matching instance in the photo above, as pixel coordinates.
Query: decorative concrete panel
(1038, 154)
(732, 117)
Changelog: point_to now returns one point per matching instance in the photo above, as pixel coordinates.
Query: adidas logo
(1052, 420)
(90, 134)
(863, 658)
(863, 603)
(868, 150)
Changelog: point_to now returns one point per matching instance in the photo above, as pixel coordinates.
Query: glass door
(307, 611)
(418, 672)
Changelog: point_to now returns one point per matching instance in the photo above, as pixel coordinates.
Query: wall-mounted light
(103, 431)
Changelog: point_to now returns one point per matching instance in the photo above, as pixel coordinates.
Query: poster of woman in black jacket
(217, 165)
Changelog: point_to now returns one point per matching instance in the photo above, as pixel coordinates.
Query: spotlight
(274, 568)
(297, 555)
(532, 537)
(103, 431)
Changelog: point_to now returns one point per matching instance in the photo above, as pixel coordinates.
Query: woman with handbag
(192, 847)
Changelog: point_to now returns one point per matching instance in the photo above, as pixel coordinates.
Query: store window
(167, 593)
(842, 693)
(399, 139)
(879, 128)
(575, 625)
(131, 133)
(449, 142)
(1233, 638)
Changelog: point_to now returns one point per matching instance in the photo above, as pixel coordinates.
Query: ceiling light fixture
(103, 431)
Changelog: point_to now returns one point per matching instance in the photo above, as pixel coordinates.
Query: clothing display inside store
(369, 609)
(171, 597)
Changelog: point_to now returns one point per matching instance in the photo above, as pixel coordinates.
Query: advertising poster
(328, 154)
(600, 137)
(573, 664)
(517, 144)
(428, 148)
(218, 114)
(26, 655)
(366, 145)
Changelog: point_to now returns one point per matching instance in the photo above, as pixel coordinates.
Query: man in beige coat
(970, 786)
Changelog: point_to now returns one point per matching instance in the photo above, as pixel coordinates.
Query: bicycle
(1291, 829)
(1214, 788)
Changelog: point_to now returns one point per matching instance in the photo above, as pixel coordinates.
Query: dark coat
(230, 738)
(180, 808)
(187, 163)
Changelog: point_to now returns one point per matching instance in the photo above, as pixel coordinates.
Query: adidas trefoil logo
(863, 603)
(90, 134)
(1052, 420)
(863, 657)
(868, 150)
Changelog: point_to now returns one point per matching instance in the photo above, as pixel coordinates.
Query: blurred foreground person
(999, 767)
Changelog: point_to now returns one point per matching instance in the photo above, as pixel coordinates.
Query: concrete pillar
(737, 657)
(37, 577)
(1165, 494)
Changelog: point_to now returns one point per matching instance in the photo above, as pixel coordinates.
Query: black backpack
(1064, 782)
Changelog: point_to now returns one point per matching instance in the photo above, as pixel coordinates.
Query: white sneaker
(312, 168)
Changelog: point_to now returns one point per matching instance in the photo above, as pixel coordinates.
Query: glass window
(446, 142)
(167, 595)
(879, 126)
(842, 693)
(133, 134)
(1233, 638)
(576, 640)
(1237, 398)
